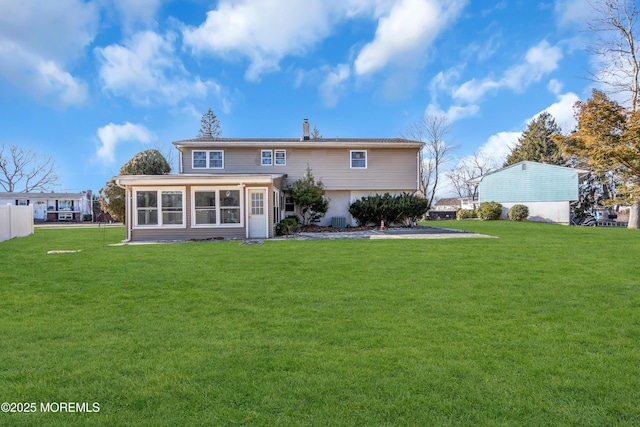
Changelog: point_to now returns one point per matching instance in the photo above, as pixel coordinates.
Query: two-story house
(237, 187)
(53, 207)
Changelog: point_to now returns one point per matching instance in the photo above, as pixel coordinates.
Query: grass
(540, 326)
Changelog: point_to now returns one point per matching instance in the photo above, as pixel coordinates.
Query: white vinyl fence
(15, 221)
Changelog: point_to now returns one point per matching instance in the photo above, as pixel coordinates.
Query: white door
(40, 211)
(257, 214)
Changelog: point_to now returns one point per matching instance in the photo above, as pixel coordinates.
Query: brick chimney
(305, 130)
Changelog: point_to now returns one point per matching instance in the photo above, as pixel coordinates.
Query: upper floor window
(358, 159)
(213, 159)
(266, 157)
(281, 157)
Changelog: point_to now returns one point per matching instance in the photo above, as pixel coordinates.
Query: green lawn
(540, 326)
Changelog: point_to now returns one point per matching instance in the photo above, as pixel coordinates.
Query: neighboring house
(547, 190)
(237, 188)
(52, 207)
(448, 204)
(445, 208)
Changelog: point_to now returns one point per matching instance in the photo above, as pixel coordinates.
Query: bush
(518, 213)
(287, 226)
(465, 214)
(403, 209)
(488, 211)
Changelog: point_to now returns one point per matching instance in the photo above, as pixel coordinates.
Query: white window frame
(218, 191)
(284, 157)
(262, 158)
(277, 212)
(158, 190)
(207, 159)
(351, 159)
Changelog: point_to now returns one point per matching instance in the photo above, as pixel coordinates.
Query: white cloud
(263, 31)
(37, 41)
(454, 113)
(572, 13)
(499, 146)
(539, 61)
(555, 86)
(333, 83)
(111, 135)
(562, 111)
(406, 32)
(136, 12)
(146, 69)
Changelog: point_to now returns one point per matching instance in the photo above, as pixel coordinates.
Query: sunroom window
(216, 207)
(205, 207)
(147, 207)
(172, 207)
(230, 206)
(159, 208)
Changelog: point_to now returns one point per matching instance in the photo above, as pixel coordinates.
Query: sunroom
(199, 207)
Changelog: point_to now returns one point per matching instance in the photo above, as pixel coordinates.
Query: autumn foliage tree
(608, 140)
(112, 196)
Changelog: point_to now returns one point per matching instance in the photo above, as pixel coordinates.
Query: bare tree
(615, 46)
(431, 130)
(23, 170)
(470, 167)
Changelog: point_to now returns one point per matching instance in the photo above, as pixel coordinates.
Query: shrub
(287, 226)
(518, 213)
(403, 209)
(465, 214)
(488, 211)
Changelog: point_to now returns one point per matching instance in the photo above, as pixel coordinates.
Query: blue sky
(91, 83)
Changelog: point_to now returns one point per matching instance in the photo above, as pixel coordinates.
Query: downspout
(418, 170)
(128, 214)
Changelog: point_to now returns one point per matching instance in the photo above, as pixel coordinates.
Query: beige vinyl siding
(387, 168)
(180, 234)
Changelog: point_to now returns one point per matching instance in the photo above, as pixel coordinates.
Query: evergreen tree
(536, 144)
(308, 196)
(316, 133)
(209, 126)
